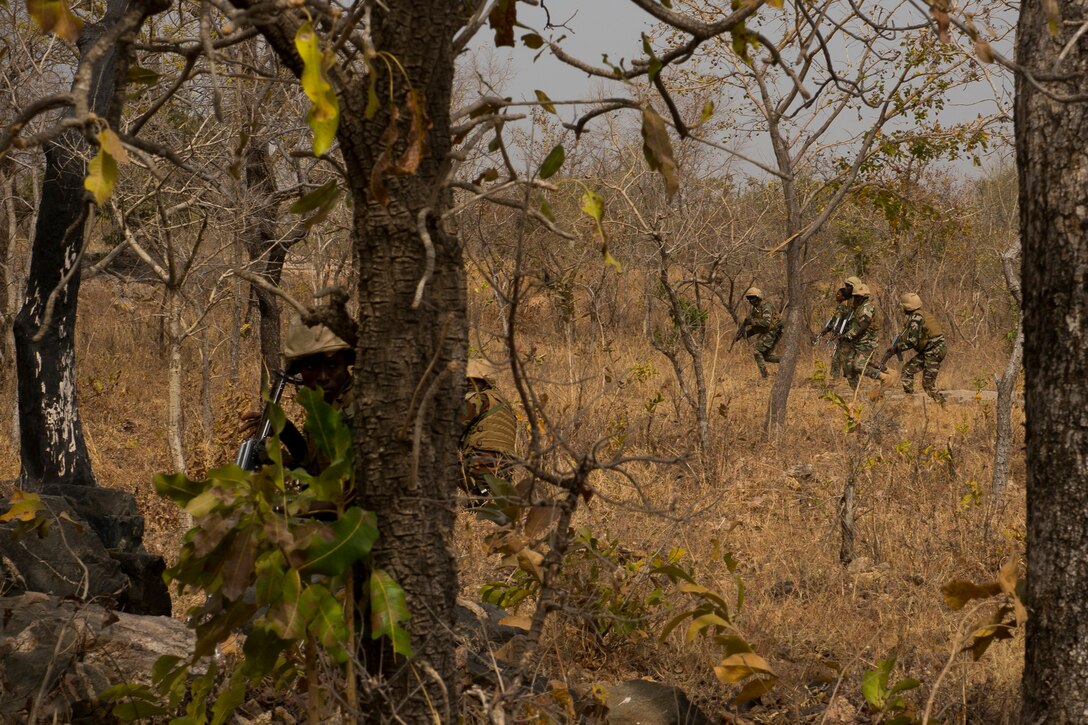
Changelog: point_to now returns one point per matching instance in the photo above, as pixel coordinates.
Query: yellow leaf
(520, 621)
(958, 592)
(735, 668)
(545, 102)
(324, 114)
(24, 507)
(101, 176)
(109, 141)
(55, 16)
(657, 148)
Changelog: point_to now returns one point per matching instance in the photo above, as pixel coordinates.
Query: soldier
(861, 337)
(762, 320)
(314, 357)
(489, 437)
(926, 337)
(836, 325)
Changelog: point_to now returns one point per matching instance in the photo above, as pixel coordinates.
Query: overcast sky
(596, 27)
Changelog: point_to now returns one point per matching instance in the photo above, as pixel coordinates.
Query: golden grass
(924, 513)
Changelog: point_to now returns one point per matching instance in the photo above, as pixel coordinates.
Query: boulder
(62, 653)
(93, 549)
(643, 702)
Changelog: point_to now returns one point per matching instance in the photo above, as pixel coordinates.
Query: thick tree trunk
(52, 449)
(1051, 151)
(402, 351)
(408, 376)
(175, 423)
(778, 404)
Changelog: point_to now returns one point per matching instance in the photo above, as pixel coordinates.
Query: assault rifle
(836, 324)
(247, 458)
(893, 350)
(742, 331)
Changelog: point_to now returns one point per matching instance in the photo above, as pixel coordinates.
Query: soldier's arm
(909, 338)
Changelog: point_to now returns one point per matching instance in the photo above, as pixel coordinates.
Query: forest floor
(924, 512)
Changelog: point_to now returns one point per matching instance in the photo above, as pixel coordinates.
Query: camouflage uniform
(859, 341)
(924, 335)
(839, 356)
(763, 321)
(489, 437)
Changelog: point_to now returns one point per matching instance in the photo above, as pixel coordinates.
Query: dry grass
(772, 506)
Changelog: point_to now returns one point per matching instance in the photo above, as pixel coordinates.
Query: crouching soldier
(923, 335)
(763, 321)
(861, 337)
(489, 431)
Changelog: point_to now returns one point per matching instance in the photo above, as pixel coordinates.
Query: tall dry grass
(922, 475)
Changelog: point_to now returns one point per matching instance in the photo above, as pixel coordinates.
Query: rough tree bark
(1007, 382)
(1052, 159)
(267, 251)
(408, 383)
(51, 444)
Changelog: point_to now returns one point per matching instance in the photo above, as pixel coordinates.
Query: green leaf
(325, 620)
(178, 487)
(874, 683)
(325, 426)
(904, 685)
(553, 161)
(143, 76)
(283, 617)
(546, 103)
(655, 65)
(657, 148)
(54, 16)
(315, 198)
(345, 542)
(230, 698)
(324, 114)
(532, 40)
(237, 571)
(389, 609)
(546, 210)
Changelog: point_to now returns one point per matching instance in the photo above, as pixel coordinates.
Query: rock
(69, 562)
(69, 652)
(94, 548)
(840, 712)
(642, 702)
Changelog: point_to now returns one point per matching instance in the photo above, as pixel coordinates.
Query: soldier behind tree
(861, 336)
(314, 357)
(926, 337)
(762, 320)
(489, 437)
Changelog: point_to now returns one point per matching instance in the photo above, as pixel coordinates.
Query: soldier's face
(331, 372)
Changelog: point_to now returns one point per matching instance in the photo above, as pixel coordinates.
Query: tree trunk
(408, 375)
(777, 405)
(51, 445)
(1007, 382)
(398, 345)
(175, 424)
(1051, 148)
(7, 244)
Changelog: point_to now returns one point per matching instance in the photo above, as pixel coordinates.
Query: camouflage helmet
(853, 282)
(754, 292)
(480, 369)
(861, 290)
(304, 341)
(910, 302)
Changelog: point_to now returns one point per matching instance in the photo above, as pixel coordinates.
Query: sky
(592, 28)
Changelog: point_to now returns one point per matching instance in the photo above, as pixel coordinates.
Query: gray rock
(641, 702)
(64, 653)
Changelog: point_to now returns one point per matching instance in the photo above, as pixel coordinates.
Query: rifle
(893, 350)
(742, 331)
(247, 452)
